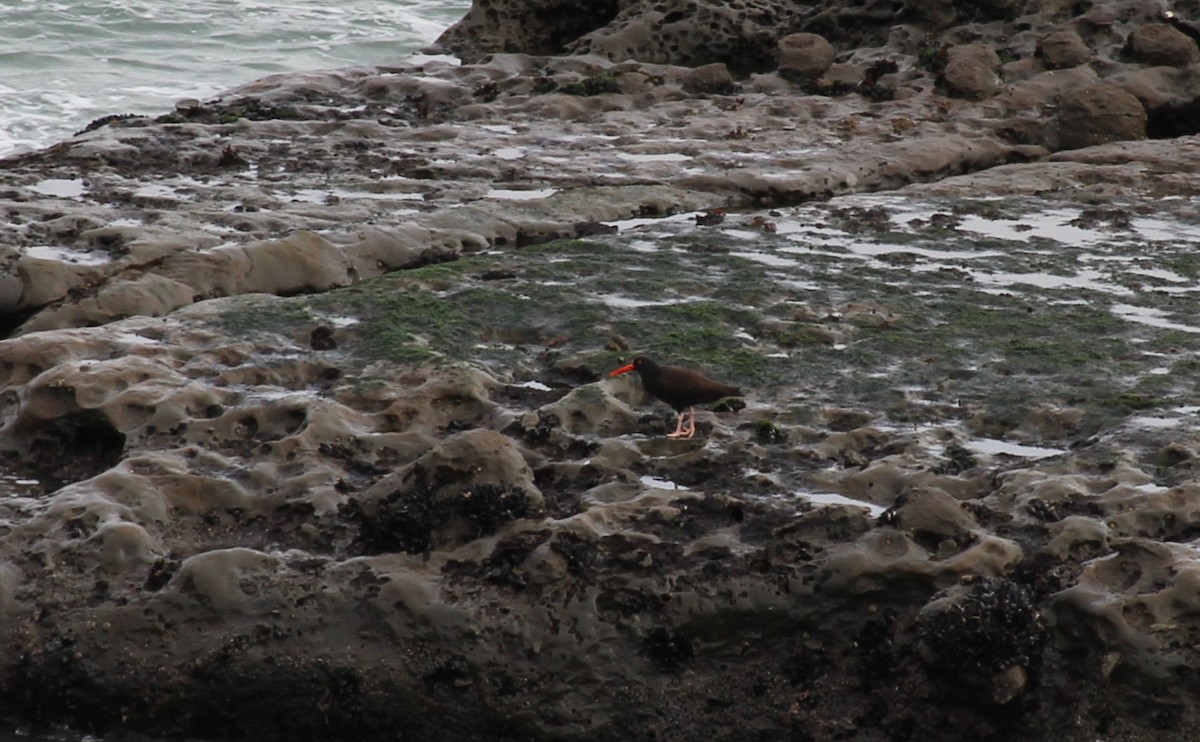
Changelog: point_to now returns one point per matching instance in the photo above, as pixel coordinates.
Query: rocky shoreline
(305, 424)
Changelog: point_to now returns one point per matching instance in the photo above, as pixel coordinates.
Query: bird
(682, 388)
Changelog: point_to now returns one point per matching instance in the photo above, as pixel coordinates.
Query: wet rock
(1063, 49)
(69, 445)
(668, 649)
(322, 338)
(1162, 515)
(710, 79)
(268, 489)
(1078, 537)
(1099, 114)
(227, 580)
(1052, 422)
(970, 72)
(1009, 684)
(1186, 26)
(594, 408)
(978, 631)
(9, 582)
(804, 57)
(844, 420)
(416, 519)
(465, 460)
(1174, 454)
(1161, 44)
(937, 13)
(44, 281)
(145, 295)
(768, 432)
(126, 546)
(545, 27)
(993, 10)
(691, 34)
(931, 516)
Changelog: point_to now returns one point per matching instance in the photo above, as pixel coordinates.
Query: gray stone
(970, 72)
(1062, 50)
(1160, 44)
(1099, 114)
(804, 56)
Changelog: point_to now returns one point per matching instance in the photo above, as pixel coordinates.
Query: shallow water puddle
(1156, 423)
(617, 301)
(1083, 280)
(1162, 230)
(1166, 419)
(1151, 317)
(586, 137)
(60, 187)
(178, 188)
(654, 222)
(1159, 273)
(133, 338)
(829, 498)
(15, 488)
(333, 195)
(875, 249)
(68, 255)
(664, 157)
(660, 484)
(520, 195)
(159, 191)
(766, 259)
(1050, 225)
(992, 447)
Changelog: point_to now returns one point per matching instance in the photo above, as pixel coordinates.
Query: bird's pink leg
(691, 429)
(679, 431)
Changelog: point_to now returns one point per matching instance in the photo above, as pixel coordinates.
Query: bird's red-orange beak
(622, 370)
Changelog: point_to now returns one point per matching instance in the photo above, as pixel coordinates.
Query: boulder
(804, 56)
(1098, 114)
(937, 13)
(970, 72)
(1062, 50)
(710, 79)
(1160, 44)
(692, 33)
(468, 486)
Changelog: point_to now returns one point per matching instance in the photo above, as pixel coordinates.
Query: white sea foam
(68, 62)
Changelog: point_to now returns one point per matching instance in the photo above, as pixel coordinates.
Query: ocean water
(64, 63)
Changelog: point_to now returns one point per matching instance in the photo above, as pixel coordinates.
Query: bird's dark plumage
(682, 388)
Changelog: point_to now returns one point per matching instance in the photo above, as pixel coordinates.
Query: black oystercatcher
(682, 388)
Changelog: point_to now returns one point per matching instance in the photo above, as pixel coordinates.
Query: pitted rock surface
(305, 421)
